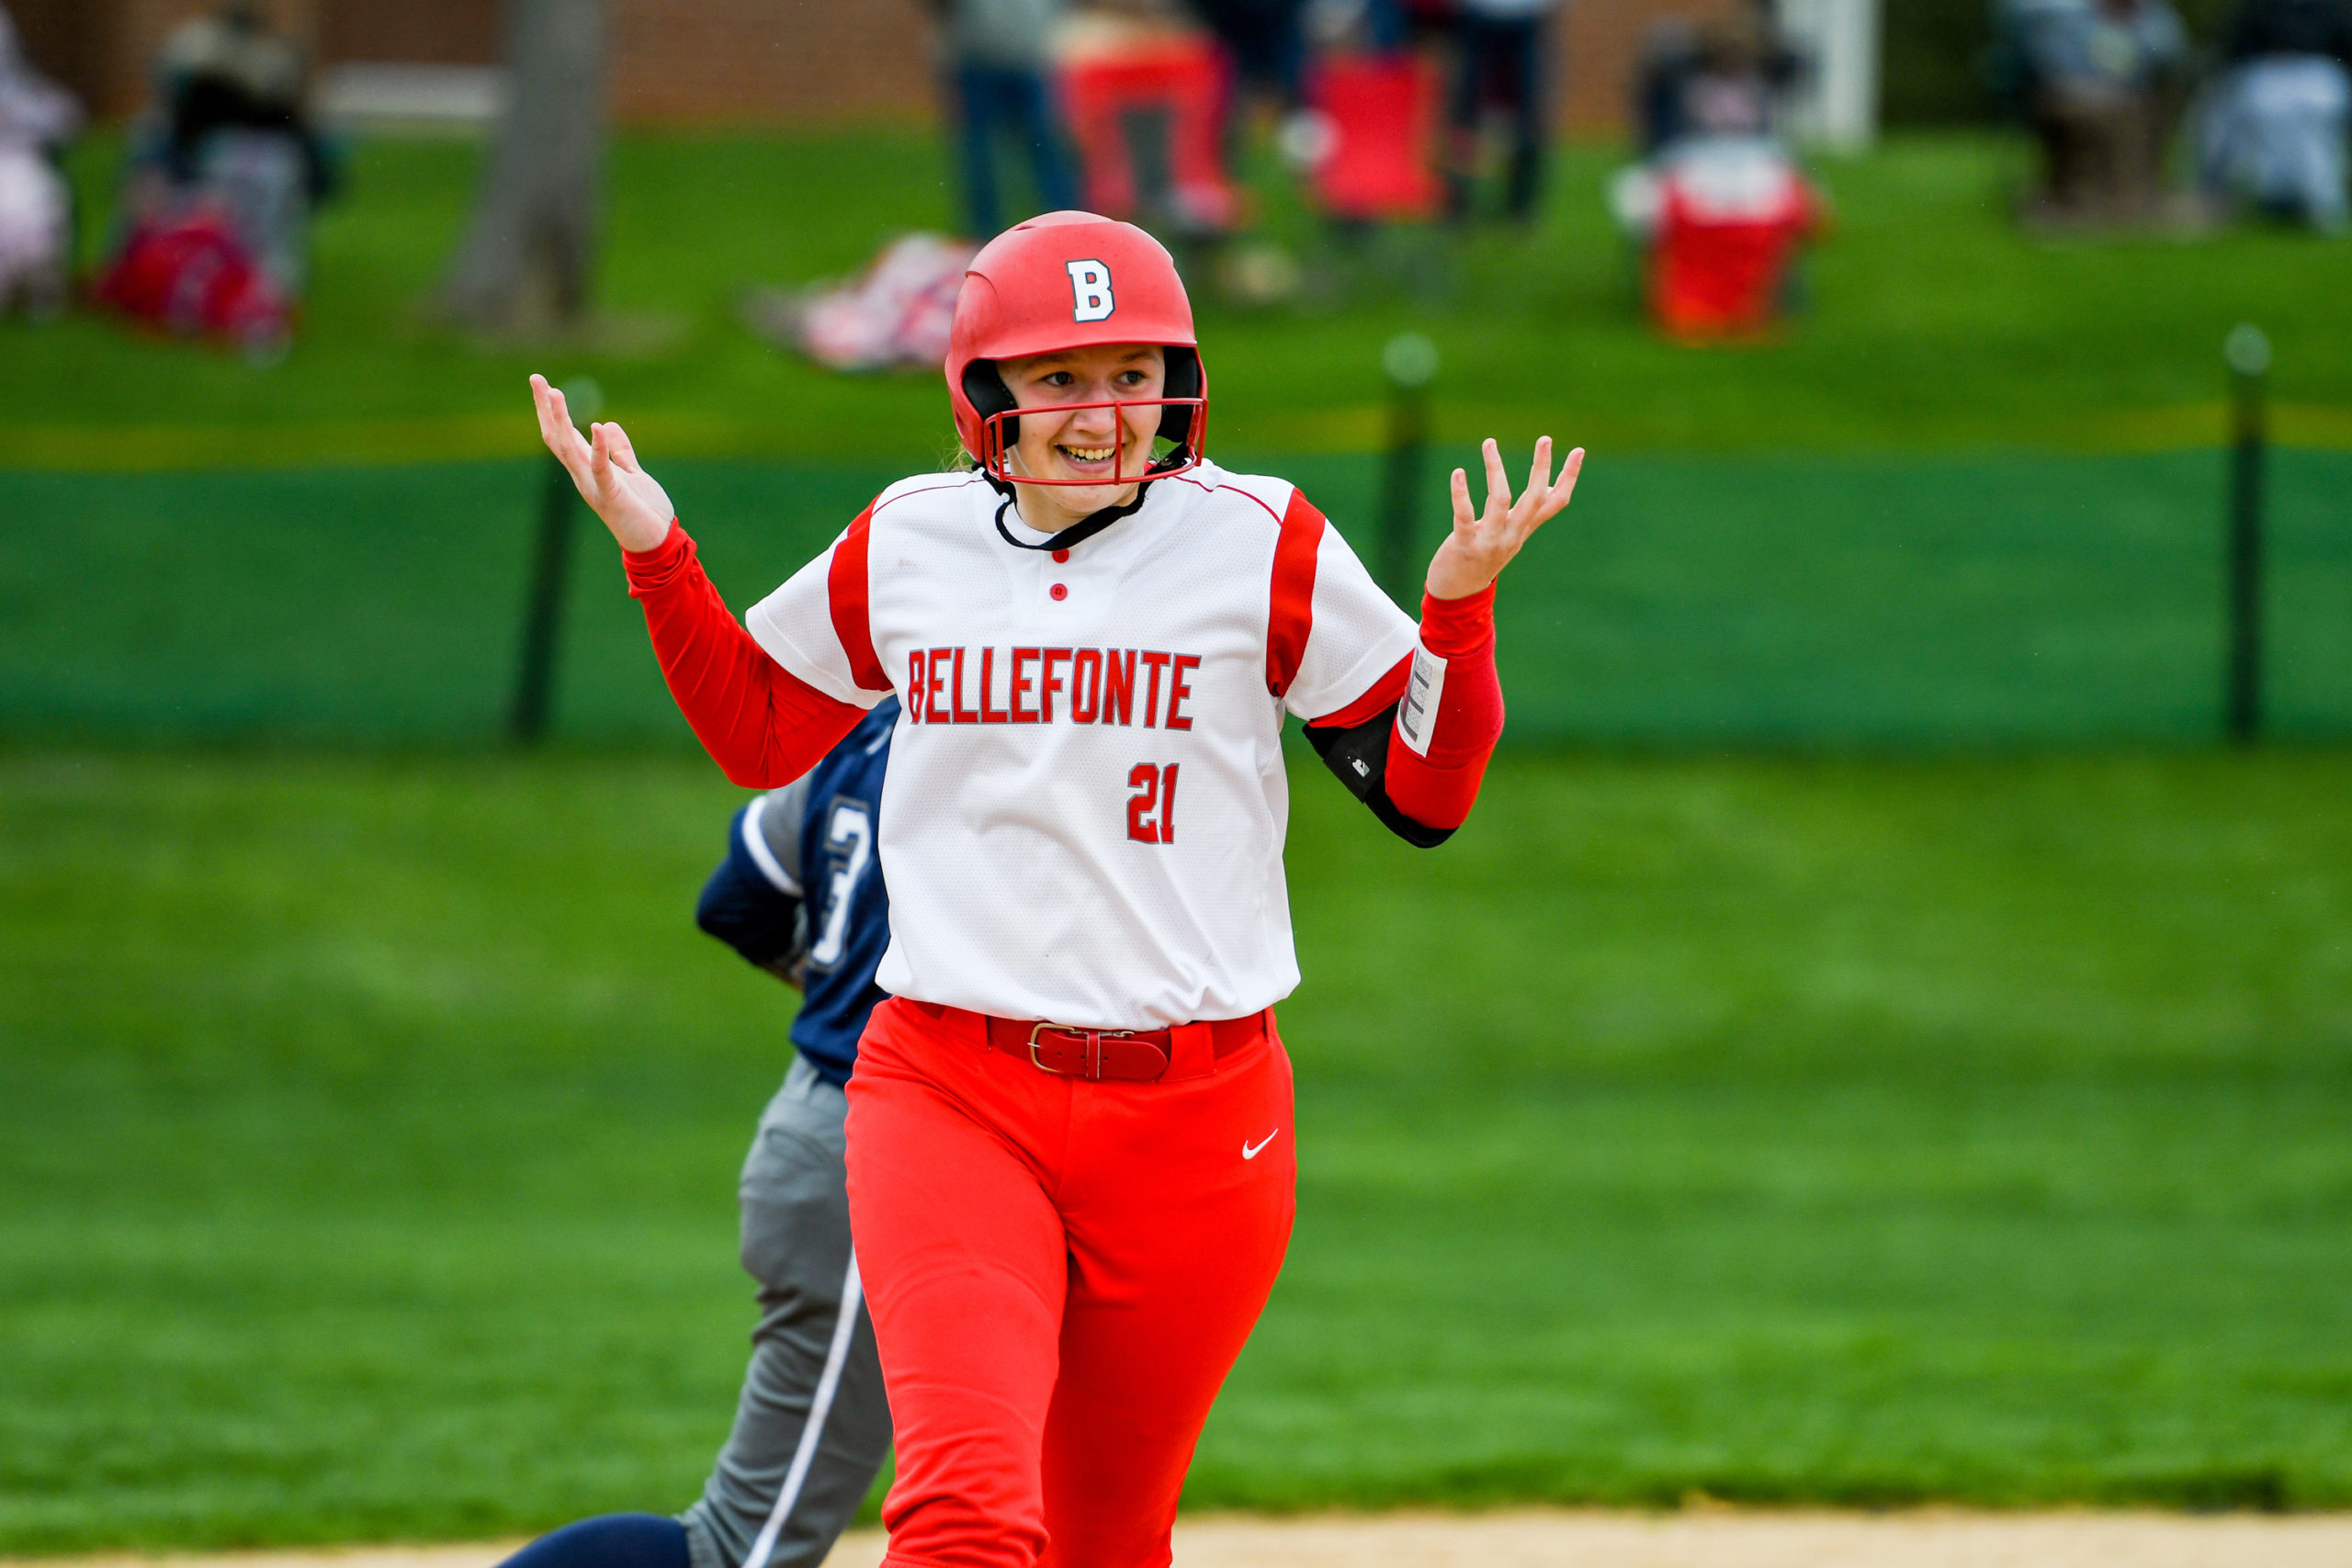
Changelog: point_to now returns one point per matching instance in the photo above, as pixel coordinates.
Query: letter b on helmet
(1060, 281)
(1090, 291)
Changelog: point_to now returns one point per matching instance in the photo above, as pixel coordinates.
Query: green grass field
(1844, 1131)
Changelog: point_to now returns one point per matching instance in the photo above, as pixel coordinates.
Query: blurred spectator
(2274, 130)
(1721, 219)
(1670, 54)
(1377, 26)
(1501, 65)
(1718, 204)
(2265, 27)
(235, 129)
(1149, 94)
(1265, 45)
(997, 59)
(223, 175)
(37, 117)
(1724, 80)
(1266, 40)
(2099, 80)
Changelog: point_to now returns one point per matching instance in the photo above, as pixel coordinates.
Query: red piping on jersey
(763, 724)
(879, 502)
(1290, 607)
(845, 583)
(1385, 693)
(1244, 494)
(1438, 790)
(1290, 610)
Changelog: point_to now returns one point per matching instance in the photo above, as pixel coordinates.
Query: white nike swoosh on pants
(1251, 1151)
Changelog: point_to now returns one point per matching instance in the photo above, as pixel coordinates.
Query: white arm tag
(1417, 715)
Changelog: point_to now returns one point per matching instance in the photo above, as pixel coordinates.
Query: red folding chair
(1148, 117)
(1382, 113)
(1730, 221)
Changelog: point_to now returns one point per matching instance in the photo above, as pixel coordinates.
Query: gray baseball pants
(812, 1428)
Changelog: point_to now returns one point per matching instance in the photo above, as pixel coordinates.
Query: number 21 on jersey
(1151, 803)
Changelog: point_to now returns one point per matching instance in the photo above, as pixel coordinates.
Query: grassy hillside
(1931, 322)
(1832, 1130)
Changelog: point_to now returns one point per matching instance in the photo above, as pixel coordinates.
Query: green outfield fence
(1885, 601)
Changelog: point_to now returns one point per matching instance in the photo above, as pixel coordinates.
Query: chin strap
(1076, 533)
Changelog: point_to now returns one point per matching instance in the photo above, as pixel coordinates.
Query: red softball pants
(1060, 1274)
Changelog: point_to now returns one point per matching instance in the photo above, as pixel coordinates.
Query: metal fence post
(1411, 361)
(543, 606)
(2247, 353)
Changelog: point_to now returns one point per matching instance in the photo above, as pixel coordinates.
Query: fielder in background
(800, 895)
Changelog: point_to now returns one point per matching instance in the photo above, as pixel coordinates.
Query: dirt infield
(1708, 1538)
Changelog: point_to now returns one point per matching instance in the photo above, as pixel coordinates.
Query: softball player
(1071, 1148)
(799, 895)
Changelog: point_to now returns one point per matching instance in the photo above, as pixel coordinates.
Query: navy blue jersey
(801, 892)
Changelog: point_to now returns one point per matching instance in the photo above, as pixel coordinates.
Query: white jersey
(1084, 812)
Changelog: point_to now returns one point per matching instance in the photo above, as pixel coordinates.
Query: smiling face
(1090, 446)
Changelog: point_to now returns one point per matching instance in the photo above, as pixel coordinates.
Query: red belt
(1127, 1056)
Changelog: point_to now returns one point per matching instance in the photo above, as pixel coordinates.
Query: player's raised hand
(1483, 542)
(604, 464)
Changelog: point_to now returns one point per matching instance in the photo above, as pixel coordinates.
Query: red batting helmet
(1072, 281)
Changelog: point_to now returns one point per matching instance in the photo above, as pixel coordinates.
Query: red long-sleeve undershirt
(764, 727)
(1438, 790)
(763, 724)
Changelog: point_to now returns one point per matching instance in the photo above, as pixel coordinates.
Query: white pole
(1836, 104)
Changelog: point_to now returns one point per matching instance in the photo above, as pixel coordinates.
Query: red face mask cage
(991, 454)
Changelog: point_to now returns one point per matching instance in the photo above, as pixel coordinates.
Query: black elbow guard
(1358, 757)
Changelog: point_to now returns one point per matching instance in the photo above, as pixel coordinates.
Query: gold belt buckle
(1096, 1035)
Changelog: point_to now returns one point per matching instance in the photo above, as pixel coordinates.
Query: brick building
(707, 62)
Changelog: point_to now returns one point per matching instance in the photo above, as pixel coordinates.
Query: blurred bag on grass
(191, 275)
(895, 313)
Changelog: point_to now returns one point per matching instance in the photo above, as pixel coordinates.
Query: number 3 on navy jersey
(1151, 809)
(849, 850)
